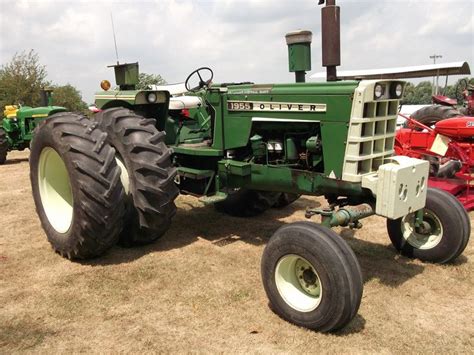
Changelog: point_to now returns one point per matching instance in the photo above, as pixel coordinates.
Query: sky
(241, 40)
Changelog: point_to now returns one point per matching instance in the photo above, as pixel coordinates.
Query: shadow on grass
(381, 262)
(15, 161)
(356, 325)
(377, 261)
(193, 222)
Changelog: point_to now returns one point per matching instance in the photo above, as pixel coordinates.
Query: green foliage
(419, 94)
(422, 92)
(22, 79)
(145, 80)
(69, 97)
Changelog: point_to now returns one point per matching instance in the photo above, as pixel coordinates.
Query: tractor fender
(116, 103)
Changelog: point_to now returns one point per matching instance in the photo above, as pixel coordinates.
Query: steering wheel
(459, 90)
(202, 82)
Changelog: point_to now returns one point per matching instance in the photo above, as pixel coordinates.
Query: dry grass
(199, 289)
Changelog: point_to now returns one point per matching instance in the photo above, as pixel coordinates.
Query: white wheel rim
(55, 190)
(423, 241)
(124, 178)
(298, 283)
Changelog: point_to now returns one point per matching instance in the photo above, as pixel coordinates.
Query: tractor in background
(19, 122)
(443, 134)
(238, 146)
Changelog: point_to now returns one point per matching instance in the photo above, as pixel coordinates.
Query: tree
(409, 96)
(69, 97)
(22, 79)
(421, 93)
(146, 80)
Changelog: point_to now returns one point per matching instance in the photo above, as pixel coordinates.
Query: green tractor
(244, 148)
(18, 124)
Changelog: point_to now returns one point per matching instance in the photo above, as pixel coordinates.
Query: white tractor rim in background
(124, 178)
(55, 190)
(298, 283)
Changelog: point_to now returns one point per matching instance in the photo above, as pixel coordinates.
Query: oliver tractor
(245, 147)
(16, 128)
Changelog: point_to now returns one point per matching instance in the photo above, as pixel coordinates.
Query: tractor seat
(10, 111)
(184, 102)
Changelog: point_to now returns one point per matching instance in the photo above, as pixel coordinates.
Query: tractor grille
(370, 138)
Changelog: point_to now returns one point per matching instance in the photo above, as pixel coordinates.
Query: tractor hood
(327, 88)
(106, 99)
(38, 112)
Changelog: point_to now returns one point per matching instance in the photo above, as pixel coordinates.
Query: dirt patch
(199, 289)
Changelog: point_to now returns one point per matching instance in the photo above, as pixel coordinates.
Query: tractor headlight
(378, 91)
(151, 97)
(397, 90)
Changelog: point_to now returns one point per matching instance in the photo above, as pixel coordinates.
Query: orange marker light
(105, 85)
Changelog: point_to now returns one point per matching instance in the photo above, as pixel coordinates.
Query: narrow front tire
(311, 277)
(443, 236)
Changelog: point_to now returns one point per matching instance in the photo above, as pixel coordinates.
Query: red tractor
(449, 147)
(444, 135)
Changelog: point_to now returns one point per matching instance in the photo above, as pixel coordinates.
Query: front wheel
(442, 237)
(312, 277)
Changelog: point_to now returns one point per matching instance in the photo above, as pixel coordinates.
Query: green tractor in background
(19, 122)
(245, 147)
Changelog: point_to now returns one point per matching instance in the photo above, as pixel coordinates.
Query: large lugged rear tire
(312, 277)
(247, 203)
(3, 146)
(432, 114)
(76, 186)
(445, 235)
(150, 175)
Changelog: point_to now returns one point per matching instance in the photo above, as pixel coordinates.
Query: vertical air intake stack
(299, 53)
(331, 38)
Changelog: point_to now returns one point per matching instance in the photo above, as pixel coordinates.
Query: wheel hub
(124, 177)
(55, 190)
(307, 277)
(298, 283)
(426, 236)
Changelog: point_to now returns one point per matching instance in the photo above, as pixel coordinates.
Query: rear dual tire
(76, 186)
(146, 161)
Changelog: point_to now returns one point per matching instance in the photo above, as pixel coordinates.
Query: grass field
(199, 289)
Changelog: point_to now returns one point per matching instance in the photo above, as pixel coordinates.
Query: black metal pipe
(300, 76)
(44, 97)
(331, 38)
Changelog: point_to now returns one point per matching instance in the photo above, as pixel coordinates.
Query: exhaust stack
(331, 38)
